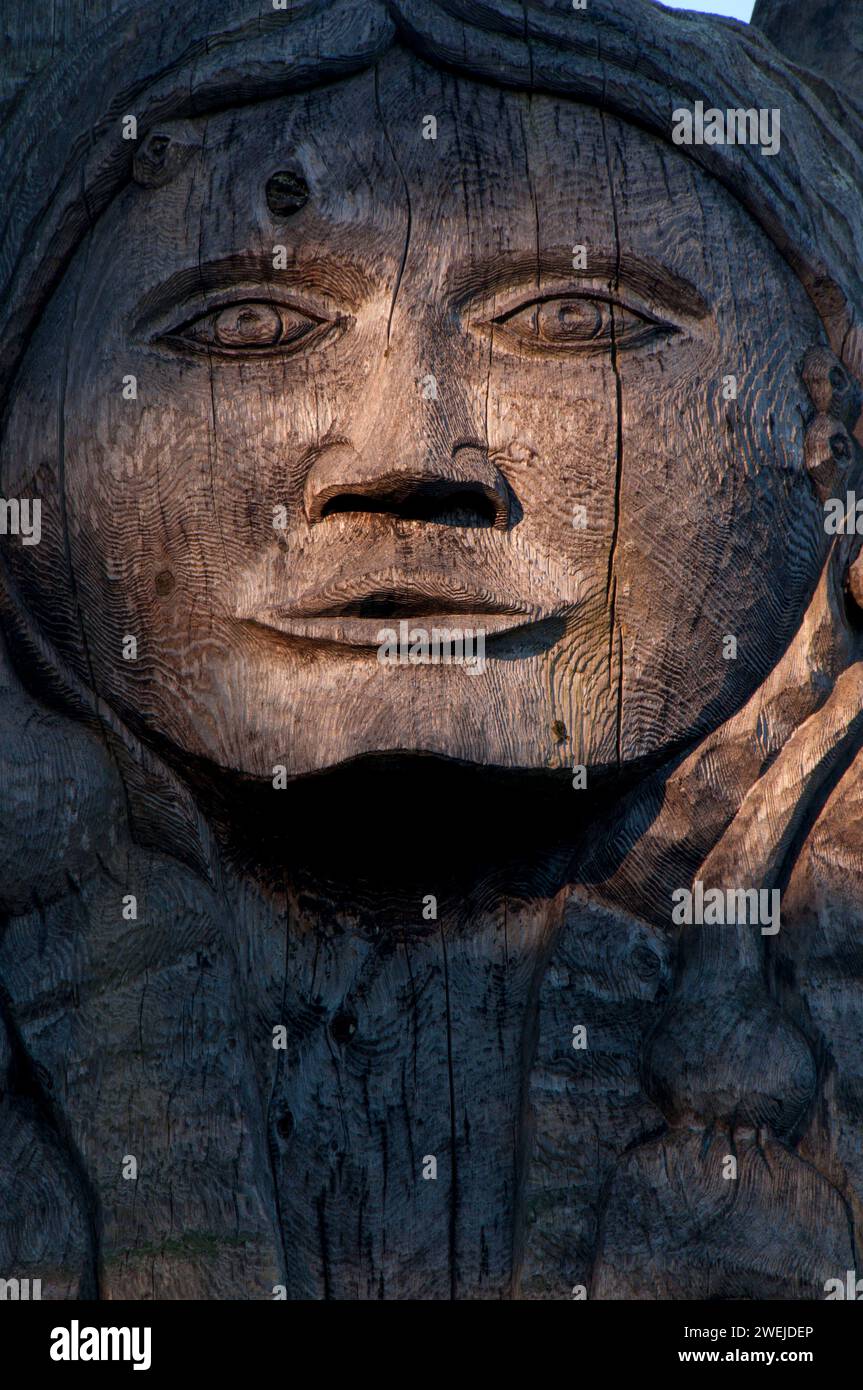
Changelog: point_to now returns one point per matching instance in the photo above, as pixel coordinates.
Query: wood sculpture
(324, 975)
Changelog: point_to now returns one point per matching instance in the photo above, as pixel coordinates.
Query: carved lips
(351, 612)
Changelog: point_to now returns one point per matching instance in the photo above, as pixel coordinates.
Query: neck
(378, 836)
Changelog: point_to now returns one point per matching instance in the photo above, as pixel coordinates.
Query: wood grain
(431, 916)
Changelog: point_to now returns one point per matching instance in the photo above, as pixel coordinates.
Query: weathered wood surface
(579, 464)
(36, 37)
(825, 35)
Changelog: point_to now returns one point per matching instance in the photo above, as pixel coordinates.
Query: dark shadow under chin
(392, 827)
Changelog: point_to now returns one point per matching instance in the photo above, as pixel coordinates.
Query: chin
(461, 746)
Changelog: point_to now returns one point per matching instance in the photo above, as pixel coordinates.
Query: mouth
(354, 612)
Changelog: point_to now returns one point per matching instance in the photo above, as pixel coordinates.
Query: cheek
(716, 503)
(721, 536)
(171, 495)
(139, 499)
(553, 432)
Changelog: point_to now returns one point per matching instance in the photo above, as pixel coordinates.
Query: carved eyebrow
(341, 280)
(508, 270)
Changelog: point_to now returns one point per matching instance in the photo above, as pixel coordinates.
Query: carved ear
(824, 35)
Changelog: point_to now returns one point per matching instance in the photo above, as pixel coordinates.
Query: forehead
(466, 162)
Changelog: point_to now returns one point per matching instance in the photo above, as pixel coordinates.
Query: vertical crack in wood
(611, 581)
(453, 1189)
(322, 1237)
(277, 1089)
(408, 228)
(527, 39)
(212, 437)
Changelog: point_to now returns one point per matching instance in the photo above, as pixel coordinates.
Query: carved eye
(248, 327)
(577, 324)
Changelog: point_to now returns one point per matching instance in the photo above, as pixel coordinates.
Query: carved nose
(464, 489)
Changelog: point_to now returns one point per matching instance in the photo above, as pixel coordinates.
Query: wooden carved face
(388, 385)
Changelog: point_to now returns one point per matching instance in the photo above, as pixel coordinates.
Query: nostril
(466, 489)
(455, 507)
